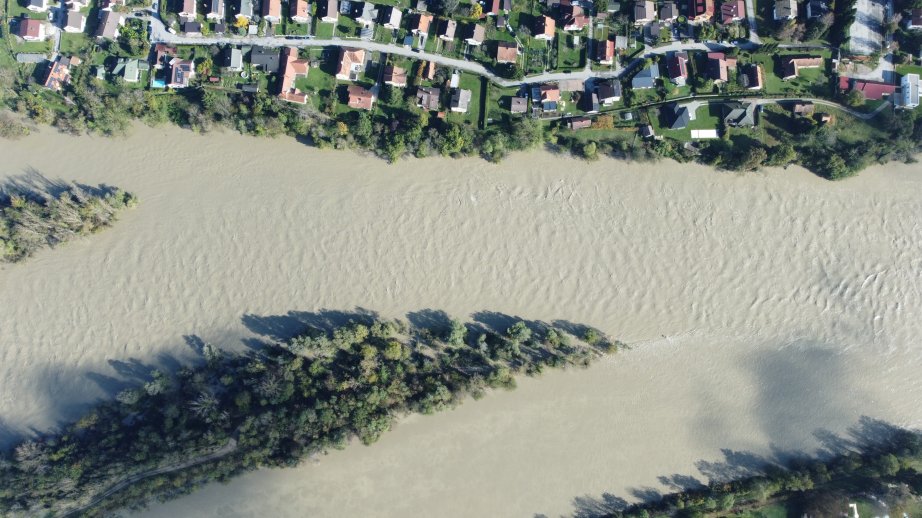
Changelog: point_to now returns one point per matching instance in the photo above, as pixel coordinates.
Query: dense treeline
(887, 470)
(39, 219)
(272, 407)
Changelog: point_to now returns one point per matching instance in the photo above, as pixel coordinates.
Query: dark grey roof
(268, 58)
(647, 77)
(680, 117)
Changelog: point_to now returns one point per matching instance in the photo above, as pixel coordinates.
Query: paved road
(751, 18)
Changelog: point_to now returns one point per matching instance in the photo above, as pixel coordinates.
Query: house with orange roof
(395, 76)
(420, 22)
(360, 97)
(59, 72)
(351, 63)
(272, 10)
(506, 52)
(293, 67)
(544, 28)
(299, 11)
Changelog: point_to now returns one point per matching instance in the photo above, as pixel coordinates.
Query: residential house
(668, 12)
(420, 22)
(791, 65)
(732, 10)
(360, 97)
(37, 6)
(679, 117)
(548, 96)
(351, 63)
(544, 28)
(368, 15)
(915, 19)
(506, 52)
(245, 10)
(609, 92)
(653, 31)
(817, 8)
(644, 12)
(719, 65)
(75, 22)
(428, 98)
(395, 76)
(298, 10)
(32, 30)
(430, 70)
(447, 29)
(518, 104)
(605, 52)
(803, 109)
(909, 90)
(646, 131)
(460, 100)
(192, 28)
(475, 34)
(327, 11)
(492, 7)
(188, 9)
(592, 103)
(391, 17)
(785, 9)
(182, 71)
(573, 17)
(700, 10)
(575, 123)
(621, 42)
(646, 78)
(740, 114)
(265, 58)
(215, 10)
(754, 78)
(292, 68)
(872, 90)
(163, 53)
(233, 59)
(130, 69)
(272, 11)
(59, 72)
(109, 24)
(677, 67)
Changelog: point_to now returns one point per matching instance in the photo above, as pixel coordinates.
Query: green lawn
(909, 69)
(569, 55)
(469, 82)
(347, 27)
(325, 30)
(75, 43)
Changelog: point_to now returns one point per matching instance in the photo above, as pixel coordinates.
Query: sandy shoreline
(787, 303)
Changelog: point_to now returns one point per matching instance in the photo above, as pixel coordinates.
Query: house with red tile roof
(351, 63)
(677, 68)
(544, 28)
(272, 10)
(605, 52)
(872, 90)
(732, 10)
(506, 52)
(59, 72)
(700, 10)
(32, 30)
(299, 11)
(360, 97)
(791, 65)
(292, 69)
(573, 17)
(419, 23)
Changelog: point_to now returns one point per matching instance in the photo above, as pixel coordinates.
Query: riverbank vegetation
(273, 407)
(882, 477)
(36, 219)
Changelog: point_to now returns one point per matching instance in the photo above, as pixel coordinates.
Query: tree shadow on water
(868, 435)
(280, 328)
